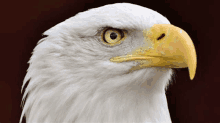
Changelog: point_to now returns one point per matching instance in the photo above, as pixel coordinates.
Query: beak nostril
(161, 36)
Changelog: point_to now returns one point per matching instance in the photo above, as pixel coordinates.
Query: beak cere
(171, 48)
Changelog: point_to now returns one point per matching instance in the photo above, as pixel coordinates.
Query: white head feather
(72, 79)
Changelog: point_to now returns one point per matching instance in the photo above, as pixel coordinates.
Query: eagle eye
(112, 36)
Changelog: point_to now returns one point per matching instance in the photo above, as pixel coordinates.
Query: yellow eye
(113, 36)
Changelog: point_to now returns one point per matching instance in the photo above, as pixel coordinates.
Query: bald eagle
(110, 64)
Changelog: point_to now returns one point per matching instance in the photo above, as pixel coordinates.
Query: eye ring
(111, 36)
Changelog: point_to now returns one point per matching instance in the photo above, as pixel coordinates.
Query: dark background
(23, 22)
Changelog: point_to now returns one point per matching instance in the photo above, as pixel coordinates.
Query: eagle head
(106, 65)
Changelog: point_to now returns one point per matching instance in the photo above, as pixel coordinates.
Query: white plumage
(72, 79)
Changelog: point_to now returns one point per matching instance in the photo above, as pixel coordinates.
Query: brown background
(23, 22)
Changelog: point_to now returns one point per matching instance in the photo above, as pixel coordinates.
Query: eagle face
(74, 77)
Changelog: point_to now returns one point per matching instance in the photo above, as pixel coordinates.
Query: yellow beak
(170, 47)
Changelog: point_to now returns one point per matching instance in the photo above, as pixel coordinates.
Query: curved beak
(171, 47)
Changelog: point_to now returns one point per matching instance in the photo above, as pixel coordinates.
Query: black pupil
(113, 36)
